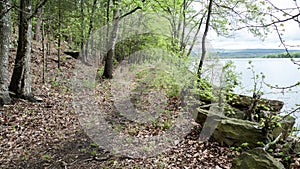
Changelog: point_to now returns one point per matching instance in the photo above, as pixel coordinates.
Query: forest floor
(48, 134)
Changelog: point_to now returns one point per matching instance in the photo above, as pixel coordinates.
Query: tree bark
(5, 31)
(84, 51)
(59, 34)
(38, 35)
(20, 83)
(203, 54)
(43, 47)
(196, 35)
(91, 24)
(70, 41)
(108, 68)
(182, 43)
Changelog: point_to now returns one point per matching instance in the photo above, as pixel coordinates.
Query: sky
(244, 40)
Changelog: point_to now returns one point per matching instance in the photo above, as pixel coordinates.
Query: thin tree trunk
(20, 83)
(84, 51)
(123, 43)
(37, 35)
(82, 23)
(5, 31)
(107, 19)
(90, 30)
(182, 43)
(196, 35)
(203, 54)
(108, 68)
(91, 18)
(43, 46)
(59, 34)
(70, 41)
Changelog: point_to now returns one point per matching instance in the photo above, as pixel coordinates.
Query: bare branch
(284, 87)
(284, 45)
(273, 142)
(297, 109)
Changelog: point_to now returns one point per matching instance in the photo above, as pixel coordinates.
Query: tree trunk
(59, 35)
(108, 68)
(203, 54)
(43, 47)
(196, 35)
(182, 43)
(70, 41)
(20, 83)
(4, 52)
(38, 35)
(84, 51)
(91, 18)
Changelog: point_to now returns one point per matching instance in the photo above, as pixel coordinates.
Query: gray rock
(285, 128)
(230, 131)
(234, 132)
(243, 102)
(256, 159)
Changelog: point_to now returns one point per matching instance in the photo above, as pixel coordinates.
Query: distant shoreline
(255, 53)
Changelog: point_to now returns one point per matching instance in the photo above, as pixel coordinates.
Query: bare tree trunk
(59, 34)
(5, 30)
(37, 35)
(91, 18)
(107, 18)
(108, 68)
(196, 35)
(182, 43)
(90, 30)
(20, 83)
(82, 23)
(203, 54)
(43, 46)
(70, 41)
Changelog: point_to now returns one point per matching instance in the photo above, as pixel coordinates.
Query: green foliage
(167, 124)
(141, 42)
(93, 153)
(23, 158)
(205, 91)
(55, 83)
(161, 80)
(46, 156)
(230, 78)
(245, 145)
(89, 84)
(100, 71)
(94, 145)
(167, 83)
(238, 150)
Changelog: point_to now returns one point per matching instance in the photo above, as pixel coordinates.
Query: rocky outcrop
(231, 131)
(243, 102)
(234, 132)
(286, 126)
(256, 159)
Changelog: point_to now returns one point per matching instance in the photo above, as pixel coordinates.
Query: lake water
(281, 72)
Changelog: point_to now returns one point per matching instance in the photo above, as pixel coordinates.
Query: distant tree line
(284, 55)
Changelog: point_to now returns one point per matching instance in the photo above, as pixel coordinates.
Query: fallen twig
(273, 142)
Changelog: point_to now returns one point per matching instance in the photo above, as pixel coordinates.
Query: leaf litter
(48, 134)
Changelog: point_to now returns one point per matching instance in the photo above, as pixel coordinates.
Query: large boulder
(230, 131)
(256, 159)
(286, 126)
(243, 102)
(234, 132)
